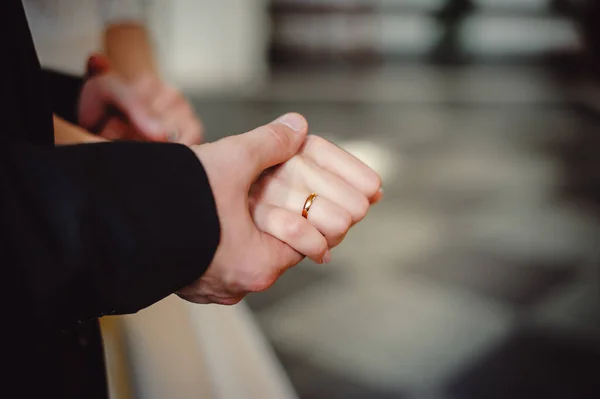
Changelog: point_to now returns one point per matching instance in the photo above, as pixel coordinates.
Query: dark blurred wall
(447, 32)
(587, 13)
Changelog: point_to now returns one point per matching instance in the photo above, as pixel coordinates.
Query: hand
(247, 259)
(346, 188)
(144, 109)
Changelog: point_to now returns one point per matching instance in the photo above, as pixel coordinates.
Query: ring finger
(292, 229)
(329, 218)
(310, 176)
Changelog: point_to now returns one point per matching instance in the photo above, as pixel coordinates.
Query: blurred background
(478, 275)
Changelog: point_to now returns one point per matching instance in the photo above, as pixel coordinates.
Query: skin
(128, 48)
(166, 115)
(66, 133)
(259, 179)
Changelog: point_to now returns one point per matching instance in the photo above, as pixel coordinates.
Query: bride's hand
(345, 186)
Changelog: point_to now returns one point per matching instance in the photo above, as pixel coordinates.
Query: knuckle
(373, 184)
(293, 227)
(312, 144)
(312, 141)
(342, 224)
(232, 281)
(335, 241)
(360, 209)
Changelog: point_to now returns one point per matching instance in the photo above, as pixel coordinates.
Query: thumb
(273, 144)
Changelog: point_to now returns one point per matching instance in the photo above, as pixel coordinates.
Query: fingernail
(293, 121)
(326, 257)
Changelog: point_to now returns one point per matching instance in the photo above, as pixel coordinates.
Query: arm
(105, 228)
(128, 46)
(127, 42)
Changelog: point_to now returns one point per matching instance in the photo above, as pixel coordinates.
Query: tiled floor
(477, 277)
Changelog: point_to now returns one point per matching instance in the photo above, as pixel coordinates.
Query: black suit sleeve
(64, 91)
(102, 229)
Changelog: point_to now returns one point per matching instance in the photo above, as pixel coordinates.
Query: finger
(163, 98)
(339, 162)
(191, 132)
(330, 219)
(293, 230)
(326, 184)
(377, 197)
(187, 132)
(270, 145)
(133, 104)
(147, 86)
(182, 124)
(278, 258)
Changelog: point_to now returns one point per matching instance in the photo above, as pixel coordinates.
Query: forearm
(129, 48)
(103, 228)
(66, 133)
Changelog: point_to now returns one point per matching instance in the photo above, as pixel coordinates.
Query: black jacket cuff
(64, 91)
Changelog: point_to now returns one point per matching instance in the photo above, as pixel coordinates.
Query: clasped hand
(260, 181)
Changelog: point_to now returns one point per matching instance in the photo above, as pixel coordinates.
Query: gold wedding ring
(307, 204)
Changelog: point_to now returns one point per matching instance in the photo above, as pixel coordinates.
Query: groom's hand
(247, 259)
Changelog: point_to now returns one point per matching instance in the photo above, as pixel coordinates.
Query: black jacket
(84, 230)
